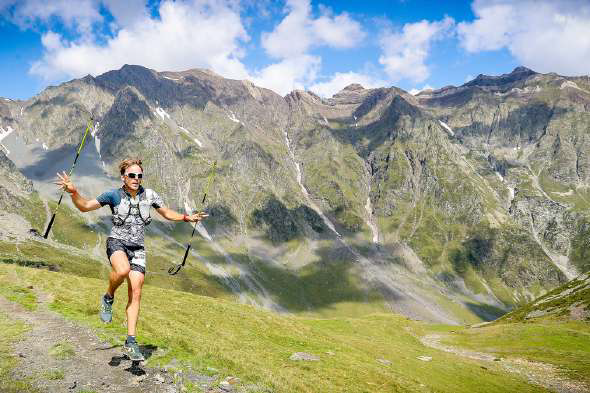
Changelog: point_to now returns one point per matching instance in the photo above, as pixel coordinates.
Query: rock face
(13, 185)
(478, 192)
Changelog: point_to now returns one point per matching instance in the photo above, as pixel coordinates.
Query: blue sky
(294, 44)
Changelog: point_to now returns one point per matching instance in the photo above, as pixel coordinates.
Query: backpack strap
(122, 210)
(145, 200)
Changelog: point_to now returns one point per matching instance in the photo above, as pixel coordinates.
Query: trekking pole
(175, 269)
(88, 127)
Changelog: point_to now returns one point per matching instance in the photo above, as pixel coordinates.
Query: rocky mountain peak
(351, 94)
(521, 69)
(518, 74)
(353, 87)
(126, 75)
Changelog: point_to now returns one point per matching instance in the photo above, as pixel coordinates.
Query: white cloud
(289, 74)
(541, 34)
(51, 41)
(404, 53)
(416, 91)
(299, 31)
(79, 16)
(127, 12)
(338, 31)
(340, 80)
(293, 38)
(187, 35)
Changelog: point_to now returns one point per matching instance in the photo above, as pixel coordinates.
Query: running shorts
(135, 253)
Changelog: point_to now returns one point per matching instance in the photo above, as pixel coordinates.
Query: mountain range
(452, 205)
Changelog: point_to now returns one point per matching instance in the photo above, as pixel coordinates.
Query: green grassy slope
(255, 345)
(552, 329)
(565, 344)
(559, 304)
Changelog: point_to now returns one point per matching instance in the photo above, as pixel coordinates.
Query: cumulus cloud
(127, 12)
(404, 53)
(340, 80)
(187, 35)
(299, 31)
(292, 73)
(292, 39)
(29, 13)
(544, 35)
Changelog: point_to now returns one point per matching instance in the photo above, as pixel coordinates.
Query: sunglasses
(132, 175)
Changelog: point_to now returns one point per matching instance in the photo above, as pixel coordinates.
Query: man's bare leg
(134, 284)
(120, 270)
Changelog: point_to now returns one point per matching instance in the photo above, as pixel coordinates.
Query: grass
(43, 255)
(555, 302)
(255, 345)
(563, 344)
(34, 212)
(23, 296)
(10, 332)
(62, 350)
(70, 228)
(54, 375)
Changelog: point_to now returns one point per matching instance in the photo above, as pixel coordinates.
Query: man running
(130, 206)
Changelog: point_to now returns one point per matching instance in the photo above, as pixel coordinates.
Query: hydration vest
(123, 209)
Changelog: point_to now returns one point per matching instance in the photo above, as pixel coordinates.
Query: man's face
(131, 179)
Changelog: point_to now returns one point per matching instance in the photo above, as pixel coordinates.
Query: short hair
(126, 163)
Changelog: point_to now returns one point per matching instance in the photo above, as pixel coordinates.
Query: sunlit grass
(255, 345)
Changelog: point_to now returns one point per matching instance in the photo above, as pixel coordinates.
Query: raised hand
(64, 182)
(199, 216)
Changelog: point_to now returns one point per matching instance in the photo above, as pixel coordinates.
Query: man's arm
(83, 204)
(171, 215)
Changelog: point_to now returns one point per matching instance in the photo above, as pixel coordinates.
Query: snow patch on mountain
(198, 142)
(446, 127)
(233, 117)
(162, 113)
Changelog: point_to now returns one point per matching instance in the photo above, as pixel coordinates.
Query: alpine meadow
(371, 240)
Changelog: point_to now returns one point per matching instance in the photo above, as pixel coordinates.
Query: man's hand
(64, 182)
(199, 216)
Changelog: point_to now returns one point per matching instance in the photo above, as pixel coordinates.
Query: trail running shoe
(132, 350)
(106, 310)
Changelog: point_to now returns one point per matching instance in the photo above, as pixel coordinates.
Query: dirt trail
(94, 365)
(543, 374)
